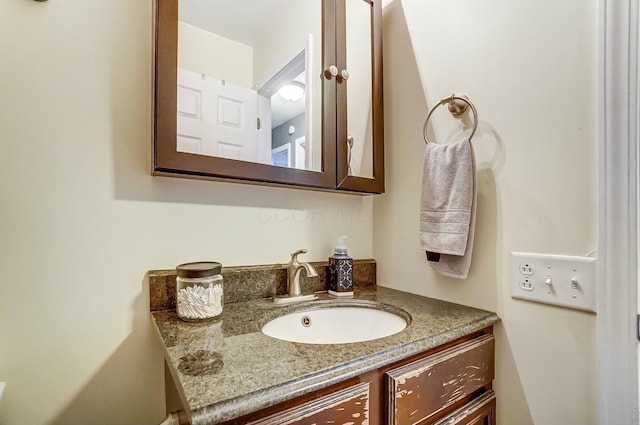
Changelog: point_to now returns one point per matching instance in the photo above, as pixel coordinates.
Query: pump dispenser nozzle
(341, 246)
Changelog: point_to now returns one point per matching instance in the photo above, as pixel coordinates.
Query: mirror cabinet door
(240, 93)
(360, 145)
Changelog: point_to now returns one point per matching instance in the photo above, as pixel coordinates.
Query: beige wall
(200, 50)
(83, 219)
(530, 70)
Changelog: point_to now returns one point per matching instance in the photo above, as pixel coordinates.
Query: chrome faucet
(294, 267)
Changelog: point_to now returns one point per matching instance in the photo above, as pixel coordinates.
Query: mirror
(239, 91)
(256, 91)
(359, 94)
(245, 85)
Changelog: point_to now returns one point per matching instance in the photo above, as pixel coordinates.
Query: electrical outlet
(526, 269)
(527, 284)
(560, 280)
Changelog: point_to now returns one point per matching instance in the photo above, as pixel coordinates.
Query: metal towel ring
(458, 104)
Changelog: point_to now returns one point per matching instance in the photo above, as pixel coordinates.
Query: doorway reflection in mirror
(230, 106)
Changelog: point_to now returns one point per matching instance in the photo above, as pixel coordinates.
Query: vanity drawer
(421, 389)
(347, 406)
(479, 411)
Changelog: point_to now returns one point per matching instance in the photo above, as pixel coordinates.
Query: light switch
(561, 280)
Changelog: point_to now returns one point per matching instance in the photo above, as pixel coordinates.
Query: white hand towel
(448, 207)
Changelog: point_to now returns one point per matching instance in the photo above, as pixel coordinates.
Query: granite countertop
(228, 368)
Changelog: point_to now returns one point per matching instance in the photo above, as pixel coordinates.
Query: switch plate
(561, 280)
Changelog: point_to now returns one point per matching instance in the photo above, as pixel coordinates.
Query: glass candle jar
(199, 290)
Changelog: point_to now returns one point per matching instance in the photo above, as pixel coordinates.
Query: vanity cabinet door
(480, 411)
(424, 388)
(347, 406)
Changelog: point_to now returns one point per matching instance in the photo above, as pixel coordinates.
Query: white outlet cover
(547, 278)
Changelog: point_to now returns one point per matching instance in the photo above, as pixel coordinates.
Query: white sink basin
(336, 324)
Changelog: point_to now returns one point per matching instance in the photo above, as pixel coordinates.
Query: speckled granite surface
(244, 283)
(228, 368)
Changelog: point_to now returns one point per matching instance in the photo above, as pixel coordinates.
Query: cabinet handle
(349, 148)
(344, 74)
(331, 72)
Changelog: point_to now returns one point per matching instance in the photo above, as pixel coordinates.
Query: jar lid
(199, 269)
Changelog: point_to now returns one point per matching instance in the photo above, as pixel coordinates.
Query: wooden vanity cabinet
(420, 391)
(449, 385)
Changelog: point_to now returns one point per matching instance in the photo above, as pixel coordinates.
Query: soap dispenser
(340, 271)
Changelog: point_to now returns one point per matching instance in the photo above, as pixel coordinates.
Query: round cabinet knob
(344, 74)
(331, 72)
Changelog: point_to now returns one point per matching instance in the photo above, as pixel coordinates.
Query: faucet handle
(294, 256)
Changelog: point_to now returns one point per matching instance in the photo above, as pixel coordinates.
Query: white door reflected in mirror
(245, 78)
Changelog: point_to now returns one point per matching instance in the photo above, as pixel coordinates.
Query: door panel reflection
(235, 60)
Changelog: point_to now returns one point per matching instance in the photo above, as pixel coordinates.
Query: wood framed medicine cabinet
(340, 97)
